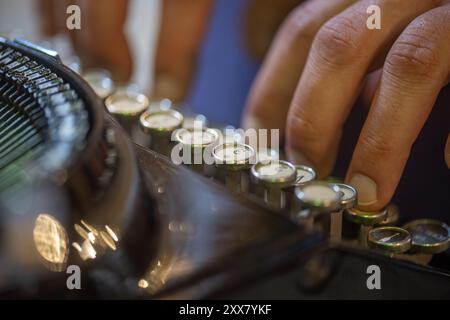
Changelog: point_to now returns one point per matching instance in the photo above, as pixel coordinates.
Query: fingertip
(251, 122)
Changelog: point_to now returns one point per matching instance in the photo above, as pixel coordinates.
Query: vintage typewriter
(75, 190)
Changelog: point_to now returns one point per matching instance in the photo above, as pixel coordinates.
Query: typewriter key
(315, 200)
(304, 174)
(126, 106)
(348, 200)
(160, 125)
(428, 236)
(100, 80)
(366, 220)
(195, 141)
(272, 177)
(349, 195)
(233, 161)
(389, 239)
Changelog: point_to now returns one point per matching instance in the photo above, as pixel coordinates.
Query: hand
(183, 27)
(316, 68)
(101, 42)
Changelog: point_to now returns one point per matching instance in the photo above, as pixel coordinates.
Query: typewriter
(88, 182)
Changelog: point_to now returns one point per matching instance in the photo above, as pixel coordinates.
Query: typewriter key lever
(126, 106)
(317, 200)
(233, 160)
(348, 201)
(160, 125)
(366, 220)
(194, 141)
(272, 177)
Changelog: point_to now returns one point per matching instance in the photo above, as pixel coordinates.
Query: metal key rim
(351, 202)
(213, 132)
(305, 168)
(160, 130)
(236, 165)
(428, 248)
(397, 247)
(138, 97)
(368, 218)
(272, 182)
(331, 205)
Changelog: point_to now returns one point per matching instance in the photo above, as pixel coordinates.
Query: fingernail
(366, 187)
(250, 122)
(297, 157)
(168, 87)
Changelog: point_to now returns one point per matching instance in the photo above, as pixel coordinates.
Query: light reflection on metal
(51, 241)
(87, 250)
(112, 233)
(94, 241)
(77, 246)
(91, 237)
(108, 240)
(143, 284)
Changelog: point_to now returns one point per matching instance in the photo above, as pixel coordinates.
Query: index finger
(182, 28)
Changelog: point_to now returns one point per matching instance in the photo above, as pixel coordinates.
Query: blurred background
(230, 42)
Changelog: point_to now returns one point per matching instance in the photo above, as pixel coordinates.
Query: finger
(262, 19)
(370, 87)
(49, 22)
(182, 28)
(272, 91)
(341, 56)
(416, 69)
(101, 42)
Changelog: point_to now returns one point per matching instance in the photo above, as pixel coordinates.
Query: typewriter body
(77, 192)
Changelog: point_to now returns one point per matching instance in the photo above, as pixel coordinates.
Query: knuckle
(413, 55)
(374, 148)
(338, 41)
(302, 130)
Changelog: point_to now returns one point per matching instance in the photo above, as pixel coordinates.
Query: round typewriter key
(349, 195)
(319, 195)
(389, 239)
(126, 106)
(160, 125)
(100, 80)
(317, 203)
(162, 122)
(197, 138)
(366, 220)
(195, 141)
(233, 161)
(304, 174)
(273, 176)
(429, 236)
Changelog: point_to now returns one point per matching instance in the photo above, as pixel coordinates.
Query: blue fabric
(225, 69)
